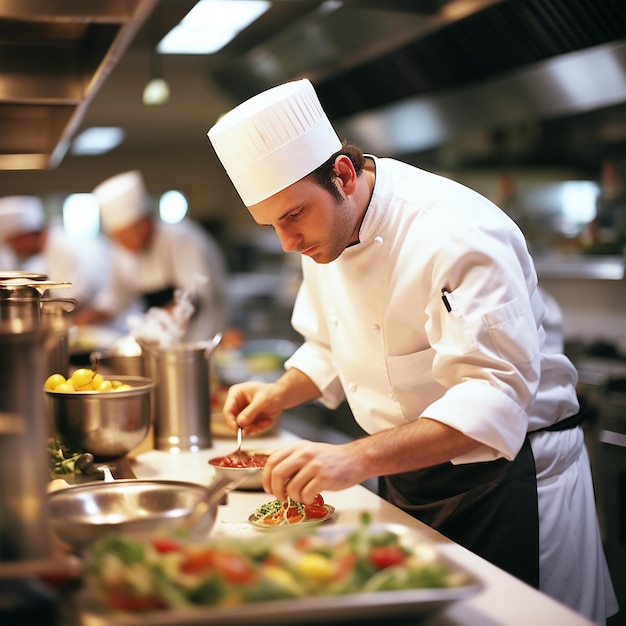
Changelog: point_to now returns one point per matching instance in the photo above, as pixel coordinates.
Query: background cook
(153, 259)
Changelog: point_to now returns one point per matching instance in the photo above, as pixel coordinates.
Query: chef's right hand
(253, 406)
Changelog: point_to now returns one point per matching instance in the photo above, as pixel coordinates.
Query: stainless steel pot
(182, 407)
(107, 424)
(23, 451)
(24, 429)
(23, 301)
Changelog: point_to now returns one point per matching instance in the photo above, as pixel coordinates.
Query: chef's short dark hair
(325, 176)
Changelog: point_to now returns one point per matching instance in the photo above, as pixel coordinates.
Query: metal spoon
(239, 440)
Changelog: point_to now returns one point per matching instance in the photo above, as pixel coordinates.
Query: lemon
(65, 387)
(53, 381)
(81, 378)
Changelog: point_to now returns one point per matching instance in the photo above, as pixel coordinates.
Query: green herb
(61, 460)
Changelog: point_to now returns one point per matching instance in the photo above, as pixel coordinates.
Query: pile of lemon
(83, 379)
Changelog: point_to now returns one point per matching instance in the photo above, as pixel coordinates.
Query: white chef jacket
(83, 263)
(182, 256)
(377, 329)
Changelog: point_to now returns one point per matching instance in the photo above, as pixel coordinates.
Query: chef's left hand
(305, 468)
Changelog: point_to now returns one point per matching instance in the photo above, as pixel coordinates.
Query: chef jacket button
(376, 328)
(352, 387)
(378, 241)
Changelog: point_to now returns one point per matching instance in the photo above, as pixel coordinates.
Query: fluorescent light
(97, 140)
(173, 206)
(210, 25)
(81, 215)
(156, 91)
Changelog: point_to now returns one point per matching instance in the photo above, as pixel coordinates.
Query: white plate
(360, 608)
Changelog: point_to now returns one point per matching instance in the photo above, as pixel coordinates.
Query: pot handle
(69, 304)
(213, 343)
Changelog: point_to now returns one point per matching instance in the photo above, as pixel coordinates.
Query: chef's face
(27, 244)
(310, 220)
(134, 237)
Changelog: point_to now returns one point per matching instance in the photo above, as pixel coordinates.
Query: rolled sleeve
(502, 437)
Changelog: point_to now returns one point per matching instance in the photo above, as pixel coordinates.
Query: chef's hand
(305, 468)
(253, 406)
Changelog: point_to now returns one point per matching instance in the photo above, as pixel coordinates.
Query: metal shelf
(575, 266)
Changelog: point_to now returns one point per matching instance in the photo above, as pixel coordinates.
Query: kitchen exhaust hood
(54, 57)
(407, 76)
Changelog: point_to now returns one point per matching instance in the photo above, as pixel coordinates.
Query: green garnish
(61, 460)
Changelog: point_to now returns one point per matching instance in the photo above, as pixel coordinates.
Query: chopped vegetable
(132, 576)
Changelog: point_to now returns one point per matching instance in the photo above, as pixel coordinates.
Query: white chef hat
(273, 140)
(123, 199)
(21, 214)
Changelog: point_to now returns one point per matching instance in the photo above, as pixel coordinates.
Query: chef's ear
(345, 173)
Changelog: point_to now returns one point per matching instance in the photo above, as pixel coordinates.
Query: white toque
(123, 199)
(273, 140)
(21, 214)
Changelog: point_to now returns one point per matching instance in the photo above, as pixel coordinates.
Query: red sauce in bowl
(247, 460)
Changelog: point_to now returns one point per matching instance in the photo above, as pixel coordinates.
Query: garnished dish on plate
(289, 512)
(364, 570)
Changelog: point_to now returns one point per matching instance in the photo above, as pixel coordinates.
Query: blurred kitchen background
(523, 100)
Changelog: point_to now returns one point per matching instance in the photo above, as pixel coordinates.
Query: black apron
(489, 508)
(159, 298)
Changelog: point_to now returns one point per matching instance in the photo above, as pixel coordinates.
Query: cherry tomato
(318, 499)
(165, 544)
(315, 511)
(198, 561)
(386, 556)
(234, 568)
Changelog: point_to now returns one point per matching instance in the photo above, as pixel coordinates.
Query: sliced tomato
(165, 544)
(293, 515)
(344, 564)
(274, 519)
(386, 556)
(315, 511)
(234, 568)
(198, 561)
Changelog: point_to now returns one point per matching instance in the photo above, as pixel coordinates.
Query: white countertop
(504, 600)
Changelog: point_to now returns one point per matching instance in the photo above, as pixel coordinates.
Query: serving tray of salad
(302, 575)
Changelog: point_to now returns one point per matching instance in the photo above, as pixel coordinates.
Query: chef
(419, 305)
(36, 246)
(153, 261)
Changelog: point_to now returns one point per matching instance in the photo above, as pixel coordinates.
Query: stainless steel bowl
(243, 478)
(137, 508)
(109, 424)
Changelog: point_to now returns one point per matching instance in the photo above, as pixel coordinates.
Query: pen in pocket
(445, 300)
